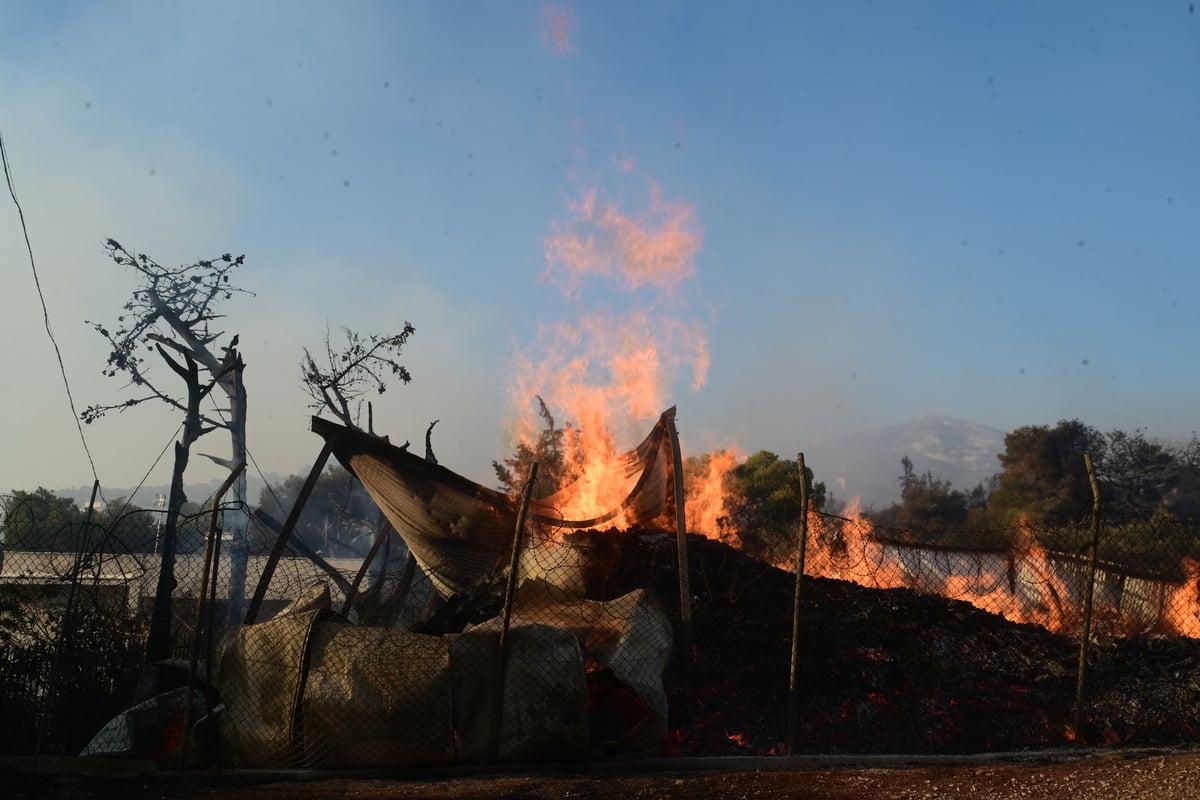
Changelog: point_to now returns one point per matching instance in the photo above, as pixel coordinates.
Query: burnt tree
(172, 312)
(359, 365)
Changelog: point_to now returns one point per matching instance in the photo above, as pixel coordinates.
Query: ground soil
(1098, 775)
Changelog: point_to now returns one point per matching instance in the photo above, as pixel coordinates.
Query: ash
(890, 671)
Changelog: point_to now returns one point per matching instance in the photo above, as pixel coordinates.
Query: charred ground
(888, 671)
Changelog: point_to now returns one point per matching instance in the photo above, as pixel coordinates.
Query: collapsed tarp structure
(556, 676)
(626, 644)
(306, 689)
(460, 532)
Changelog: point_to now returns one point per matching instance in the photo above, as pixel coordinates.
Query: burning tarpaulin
(460, 532)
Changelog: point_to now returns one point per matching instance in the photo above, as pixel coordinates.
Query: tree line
(43, 520)
(338, 521)
(1041, 482)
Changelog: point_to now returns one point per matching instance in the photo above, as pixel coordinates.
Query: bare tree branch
(363, 363)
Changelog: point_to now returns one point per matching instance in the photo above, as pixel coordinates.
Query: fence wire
(907, 644)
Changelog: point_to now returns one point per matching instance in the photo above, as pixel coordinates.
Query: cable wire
(45, 312)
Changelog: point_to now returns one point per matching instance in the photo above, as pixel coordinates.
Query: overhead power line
(45, 312)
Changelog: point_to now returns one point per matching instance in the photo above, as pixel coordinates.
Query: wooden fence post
(212, 552)
(685, 591)
(801, 546)
(1089, 594)
(510, 594)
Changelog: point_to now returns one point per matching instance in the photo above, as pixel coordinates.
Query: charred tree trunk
(238, 523)
(227, 373)
(158, 643)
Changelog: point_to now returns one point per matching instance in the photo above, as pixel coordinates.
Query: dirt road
(1164, 775)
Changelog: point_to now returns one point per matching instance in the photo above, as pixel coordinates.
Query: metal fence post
(801, 546)
(212, 552)
(1088, 597)
(510, 594)
(685, 591)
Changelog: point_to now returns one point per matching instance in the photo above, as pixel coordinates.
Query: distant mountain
(867, 465)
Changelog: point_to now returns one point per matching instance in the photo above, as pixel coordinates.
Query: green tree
(763, 501)
(129, 528)
(926, 504)
(556, 457)
(41, 520)
(1043, 475)
(1137, 474)
(339, 518)
(1181, 495)
(932, 511)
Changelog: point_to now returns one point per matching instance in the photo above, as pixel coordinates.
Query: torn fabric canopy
(461, 532)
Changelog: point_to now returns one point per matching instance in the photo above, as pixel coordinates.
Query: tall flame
(656, 249)
(706, 496)
(610, 371)
(1183, 607)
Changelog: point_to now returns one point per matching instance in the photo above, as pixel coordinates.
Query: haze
(834, 217)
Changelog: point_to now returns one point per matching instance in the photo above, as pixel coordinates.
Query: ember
(891, 670)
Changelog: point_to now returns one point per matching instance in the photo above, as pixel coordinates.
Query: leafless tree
(173, 312)
(361, 364)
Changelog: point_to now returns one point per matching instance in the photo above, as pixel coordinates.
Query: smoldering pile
(884, 671)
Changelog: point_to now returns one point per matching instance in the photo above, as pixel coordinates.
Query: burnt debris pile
(889, 671)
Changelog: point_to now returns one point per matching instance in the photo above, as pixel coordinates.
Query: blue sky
(986, 210)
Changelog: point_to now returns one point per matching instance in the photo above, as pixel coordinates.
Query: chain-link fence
(598, 648)
(1144, 582)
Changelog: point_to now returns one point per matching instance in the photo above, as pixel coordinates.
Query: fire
(706, 495)
(557, 23)
(609, 372)
(1021, 585)
(1183, 608)
(844, 548)
(656, 249)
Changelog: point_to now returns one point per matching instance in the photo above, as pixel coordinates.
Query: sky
(828, 217)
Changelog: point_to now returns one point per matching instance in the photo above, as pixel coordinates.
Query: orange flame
(1183, 608)
(1021, 586)
(556, 26)
(610, 373)
(706, 495)
(845, 549)
(656, 249)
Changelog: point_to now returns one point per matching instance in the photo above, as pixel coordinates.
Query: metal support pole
(1088, 597)
(801, 546)
(685, 591)
(385, 530)
(281, 543)
(211, 546)
(510, 594)
(300, 548)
